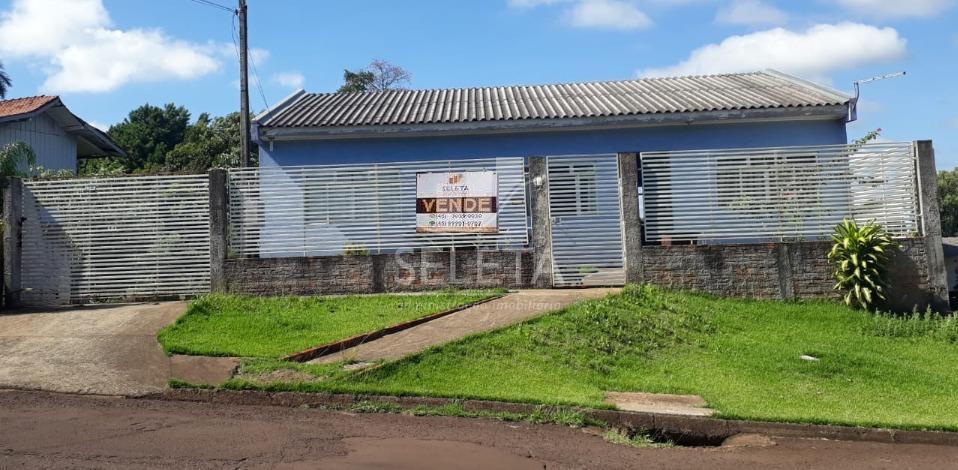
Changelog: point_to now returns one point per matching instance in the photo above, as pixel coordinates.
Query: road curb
(697, 429)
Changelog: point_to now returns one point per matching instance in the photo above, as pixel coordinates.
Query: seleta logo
(455, 179)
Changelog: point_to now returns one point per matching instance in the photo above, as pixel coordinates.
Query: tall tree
(354, 82)
(5, 82)
(209, 143)
(379, 75)
(148, 133)
(948, 201)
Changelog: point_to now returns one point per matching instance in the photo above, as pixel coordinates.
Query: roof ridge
(553, 84)
(609, 98)
(7, 100)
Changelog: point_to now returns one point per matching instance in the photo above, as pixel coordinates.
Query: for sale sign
(457, 202)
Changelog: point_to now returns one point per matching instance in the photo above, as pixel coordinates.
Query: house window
(352, 197)
(780, 182)
(573, 189)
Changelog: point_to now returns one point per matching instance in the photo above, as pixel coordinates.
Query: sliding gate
(115, 238)
(586, 221)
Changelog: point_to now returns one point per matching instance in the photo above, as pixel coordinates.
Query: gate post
(12, 225)
(541, 222)
(931, 226)
(218, 229)
(630, 218)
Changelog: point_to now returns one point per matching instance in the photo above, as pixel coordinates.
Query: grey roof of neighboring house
(647, 96)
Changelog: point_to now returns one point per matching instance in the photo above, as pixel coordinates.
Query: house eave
(830, 112)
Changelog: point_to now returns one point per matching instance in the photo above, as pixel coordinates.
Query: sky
(106, 57)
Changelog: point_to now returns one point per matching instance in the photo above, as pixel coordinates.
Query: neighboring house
(57, 136)
(761, 109)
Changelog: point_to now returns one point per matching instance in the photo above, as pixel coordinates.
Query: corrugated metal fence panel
(773, 194)
(586, 221)
(335, 209)
(114, 238)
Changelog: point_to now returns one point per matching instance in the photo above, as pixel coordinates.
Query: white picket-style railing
(371, 208)
(115, 238)
(778, 194)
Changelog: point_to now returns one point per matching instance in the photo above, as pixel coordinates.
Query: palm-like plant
(861, 256)
(5, 82)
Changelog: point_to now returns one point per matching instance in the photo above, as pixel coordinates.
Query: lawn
(269, 327)
(742, 356)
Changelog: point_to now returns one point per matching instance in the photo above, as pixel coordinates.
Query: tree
(356, 81)
(5, 82)
(379, 75)
(948, 201)
(148, 133)
(17, 159)
(209, 143)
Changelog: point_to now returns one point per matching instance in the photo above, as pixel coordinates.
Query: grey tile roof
(742, 91)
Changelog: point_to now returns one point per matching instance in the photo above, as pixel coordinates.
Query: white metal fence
(110, 238)
(773, 194)
(336, 209)
(586, 221)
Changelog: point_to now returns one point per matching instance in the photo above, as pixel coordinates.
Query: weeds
(926, 324)
(638, 439)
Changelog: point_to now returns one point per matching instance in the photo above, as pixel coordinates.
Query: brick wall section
(730, 270)
(776, 271)
(769, 271)
(379, 273)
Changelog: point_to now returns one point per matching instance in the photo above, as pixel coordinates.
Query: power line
(215, 5)
(259, 84)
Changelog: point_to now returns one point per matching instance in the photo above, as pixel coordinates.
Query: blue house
(760, 109)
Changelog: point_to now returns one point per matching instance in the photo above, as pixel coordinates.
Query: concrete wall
(779, 271)
(427, 270)
(55, 149)
(566, 142)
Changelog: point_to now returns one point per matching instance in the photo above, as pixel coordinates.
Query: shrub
(860, 255)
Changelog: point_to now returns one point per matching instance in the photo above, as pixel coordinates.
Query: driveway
(106, 350)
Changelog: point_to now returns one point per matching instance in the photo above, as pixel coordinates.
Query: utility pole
(244, 86)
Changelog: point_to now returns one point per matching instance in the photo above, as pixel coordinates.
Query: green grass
(269, 327)
(742, 356)
(639, 440)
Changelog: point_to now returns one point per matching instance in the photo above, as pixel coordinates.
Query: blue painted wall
(677, 137)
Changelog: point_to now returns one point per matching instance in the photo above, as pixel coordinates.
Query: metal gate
(115, 238)
(586, 221)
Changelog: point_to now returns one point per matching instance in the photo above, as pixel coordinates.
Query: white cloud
(897, 8)
(80, 51)
(750, 13)
(44, 27)
(813, 53)
(607, 14)
(294, 80)
(952, 123)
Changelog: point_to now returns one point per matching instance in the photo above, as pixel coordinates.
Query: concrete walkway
(105, 350)
(508, 310)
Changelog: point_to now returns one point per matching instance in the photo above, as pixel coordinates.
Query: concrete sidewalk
(508, 310)
(105, 350)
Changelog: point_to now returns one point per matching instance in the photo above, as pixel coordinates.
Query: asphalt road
(44, 430)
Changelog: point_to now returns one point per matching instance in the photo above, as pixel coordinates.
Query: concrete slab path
(104, 350)
(510, 309)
